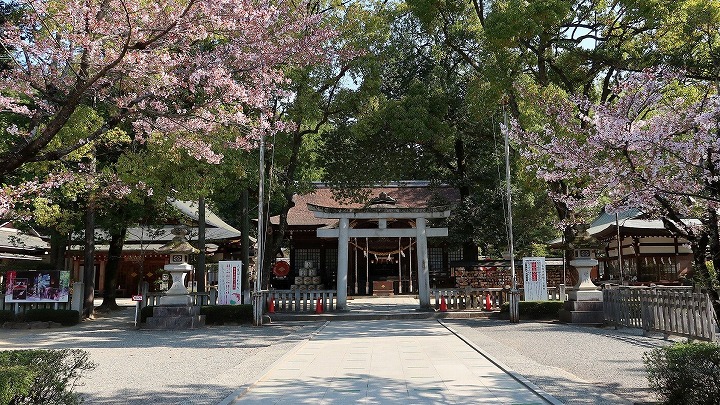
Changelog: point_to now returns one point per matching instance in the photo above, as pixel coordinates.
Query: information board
(229, 282)
(535, 279)
(37, 286)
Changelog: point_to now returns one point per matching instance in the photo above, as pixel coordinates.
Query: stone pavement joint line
(388, 362)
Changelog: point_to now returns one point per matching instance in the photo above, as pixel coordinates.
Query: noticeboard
(535, 279)
(37, 286)
(229, 282)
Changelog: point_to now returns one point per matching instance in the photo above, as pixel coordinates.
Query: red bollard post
(488, 303)
(319, 306)
(271, 305)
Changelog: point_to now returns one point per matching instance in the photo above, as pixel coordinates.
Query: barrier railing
(477, 298)
(672, 311)
(301, 301)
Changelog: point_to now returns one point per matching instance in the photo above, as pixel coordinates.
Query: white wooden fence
(301, 301)
(672, 311)
(283, 300)
(476, 298)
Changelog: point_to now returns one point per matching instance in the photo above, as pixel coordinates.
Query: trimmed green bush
(215, 314)
(41, 376)
(15, 382)
(6, 316)
(535, 309)
(222, 314)
(685, 373)
(67, 317)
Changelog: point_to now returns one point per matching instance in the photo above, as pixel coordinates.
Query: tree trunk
(274, 240)
(200, 265)
(245, 246)
(58, 249)
(89, 262)
(469, 247)
(714, 245)
(117, 241)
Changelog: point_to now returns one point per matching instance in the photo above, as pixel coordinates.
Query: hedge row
(535, 309)
(67, 317)
(42, 376)
(685, 373)
(215, 314)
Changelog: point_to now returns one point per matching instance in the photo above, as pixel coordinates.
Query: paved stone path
(388, 362)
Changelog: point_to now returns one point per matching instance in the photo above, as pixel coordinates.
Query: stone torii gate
(381, 214)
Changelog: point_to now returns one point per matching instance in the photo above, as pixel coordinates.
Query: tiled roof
(217, 228)
(407, 195)
(14, 240)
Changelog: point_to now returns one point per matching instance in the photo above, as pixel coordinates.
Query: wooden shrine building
(638, 250)
(393, 243)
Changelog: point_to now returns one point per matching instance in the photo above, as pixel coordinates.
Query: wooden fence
(476, 298)
(283, 300)
(672, 311)
(301, 301)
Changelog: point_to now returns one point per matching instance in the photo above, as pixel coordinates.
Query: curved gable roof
(413, 194)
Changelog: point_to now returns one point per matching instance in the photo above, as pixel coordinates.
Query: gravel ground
(575, 364)
(201, 366)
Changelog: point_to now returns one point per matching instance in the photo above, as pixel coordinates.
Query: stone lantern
(584, 303)
(175, 309)
(584, 261)
(178, 249)
(585, 289)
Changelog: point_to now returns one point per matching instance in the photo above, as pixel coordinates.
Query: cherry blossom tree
(181, 67)
(653, 146)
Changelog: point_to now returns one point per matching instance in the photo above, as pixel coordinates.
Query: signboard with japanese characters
(535, 279)
(229, 282)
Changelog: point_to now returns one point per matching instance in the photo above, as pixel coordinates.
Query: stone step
(175, 322)
(174, 317)
(583, 306)
(582, 317)
(172, 310)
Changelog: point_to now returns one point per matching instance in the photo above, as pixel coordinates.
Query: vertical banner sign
(229, 288)
(535, 279)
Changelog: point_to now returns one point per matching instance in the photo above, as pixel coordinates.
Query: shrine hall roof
(413, 194)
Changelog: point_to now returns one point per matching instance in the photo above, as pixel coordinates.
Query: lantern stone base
(175, 317)
(585, 295)
(583, 312)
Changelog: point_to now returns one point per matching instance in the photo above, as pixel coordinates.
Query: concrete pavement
(231, 363)
(388, 362)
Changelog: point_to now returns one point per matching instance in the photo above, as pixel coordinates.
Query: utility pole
(258, 304)
(514, 293)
